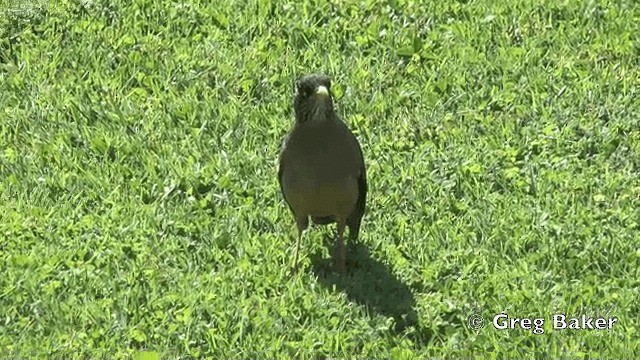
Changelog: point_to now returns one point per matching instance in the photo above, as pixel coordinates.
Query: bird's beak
(322, 91)
(321, 102)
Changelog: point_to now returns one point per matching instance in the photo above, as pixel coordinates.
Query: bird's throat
(321, 112)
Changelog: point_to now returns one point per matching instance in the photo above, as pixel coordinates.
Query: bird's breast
(321, 169)
(321, 195)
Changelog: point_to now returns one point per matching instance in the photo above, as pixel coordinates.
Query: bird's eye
(305, 91)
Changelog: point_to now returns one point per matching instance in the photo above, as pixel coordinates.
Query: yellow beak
(322, 90)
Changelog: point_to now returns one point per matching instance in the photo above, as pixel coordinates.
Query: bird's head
(312, 100)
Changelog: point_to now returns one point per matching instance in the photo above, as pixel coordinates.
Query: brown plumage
(322, 173)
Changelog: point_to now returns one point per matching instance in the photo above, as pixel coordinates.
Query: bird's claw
(340, 265)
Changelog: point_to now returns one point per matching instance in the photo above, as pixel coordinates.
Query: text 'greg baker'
(503, 321)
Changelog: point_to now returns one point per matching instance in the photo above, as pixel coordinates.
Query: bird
(321, 172)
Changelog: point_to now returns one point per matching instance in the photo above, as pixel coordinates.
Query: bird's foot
(340, 263)
(294, 270)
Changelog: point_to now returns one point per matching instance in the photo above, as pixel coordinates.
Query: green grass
(139, 206)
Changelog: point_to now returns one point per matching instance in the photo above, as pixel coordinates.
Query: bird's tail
(323, 220)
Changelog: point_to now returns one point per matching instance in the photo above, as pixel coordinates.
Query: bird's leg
(302, 224)
(340, 256)
(294, 269)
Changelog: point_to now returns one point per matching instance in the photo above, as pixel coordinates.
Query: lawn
(140, 213)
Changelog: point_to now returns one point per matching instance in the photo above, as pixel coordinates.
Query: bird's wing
(362, 185)
(355, 218)
(281, 169)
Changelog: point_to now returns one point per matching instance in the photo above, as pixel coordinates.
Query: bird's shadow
(368, 282)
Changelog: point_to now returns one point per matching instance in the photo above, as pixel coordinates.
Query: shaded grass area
(139, 206)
